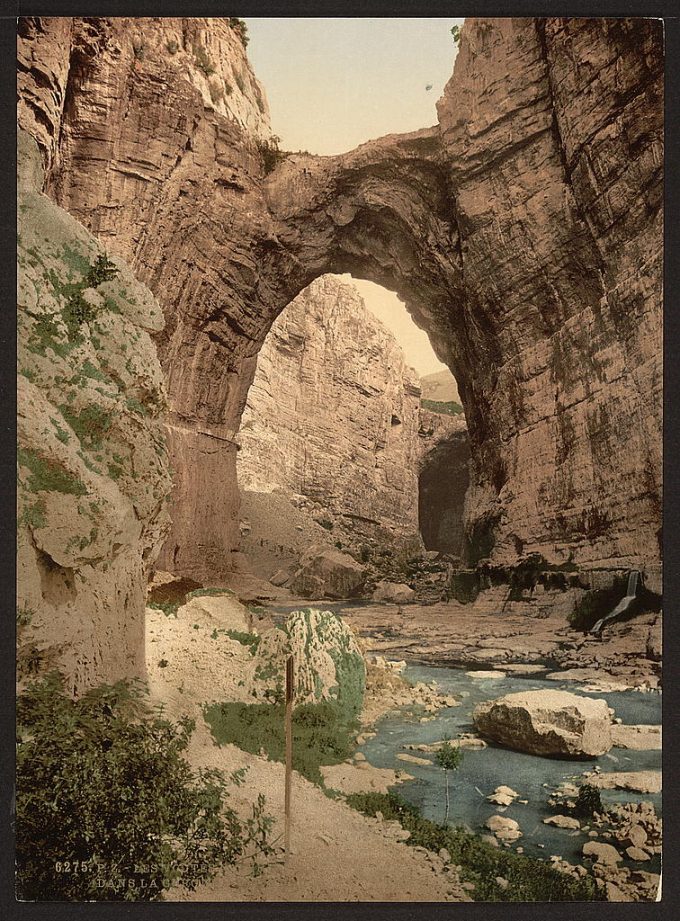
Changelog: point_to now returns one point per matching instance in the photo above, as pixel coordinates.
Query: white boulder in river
(547, 723)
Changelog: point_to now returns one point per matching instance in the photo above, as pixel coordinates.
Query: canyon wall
(332, 413)
(524, 233)
(92, 462)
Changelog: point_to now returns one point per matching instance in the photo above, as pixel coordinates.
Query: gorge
(192, 372)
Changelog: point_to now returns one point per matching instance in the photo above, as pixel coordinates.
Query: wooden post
(289, 748)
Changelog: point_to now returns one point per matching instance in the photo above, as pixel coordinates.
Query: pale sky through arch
(333, 84)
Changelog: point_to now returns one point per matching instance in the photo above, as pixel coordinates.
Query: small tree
(588, 801)
(455, 31)
(448, 758)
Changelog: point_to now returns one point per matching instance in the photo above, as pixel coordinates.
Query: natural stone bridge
(523, 232)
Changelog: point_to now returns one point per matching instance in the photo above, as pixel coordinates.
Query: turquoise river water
(481, 772)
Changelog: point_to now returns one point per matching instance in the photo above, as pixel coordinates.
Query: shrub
(455, 32)
(107, 807)
(320, 735)
(48, 475)
(270, 153)
(588, 801)
(90, 425)
(203, 62)
(448, 758)
(239, 26)
(530, 880)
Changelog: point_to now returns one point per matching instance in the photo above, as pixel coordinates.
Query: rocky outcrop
(327, 662)
(547, 723)
(93, 471)
(332, 414)
(325, 572)
(523, 232)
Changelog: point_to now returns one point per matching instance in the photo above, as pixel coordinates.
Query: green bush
(239, 26)
(48, 475)
(107, 807)
(270, 153)
(203, 62)
(530, 880)
(320, 735)
(588, 801)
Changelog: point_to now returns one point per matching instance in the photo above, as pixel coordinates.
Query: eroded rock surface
(93, 470)
(523, 232)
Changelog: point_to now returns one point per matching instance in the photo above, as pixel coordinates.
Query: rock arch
(523, 231)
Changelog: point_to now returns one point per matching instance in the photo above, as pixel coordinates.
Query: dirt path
(338, 854)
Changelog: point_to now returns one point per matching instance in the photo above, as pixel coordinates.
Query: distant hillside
(440, 387)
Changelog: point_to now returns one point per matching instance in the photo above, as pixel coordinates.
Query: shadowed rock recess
(523, 231)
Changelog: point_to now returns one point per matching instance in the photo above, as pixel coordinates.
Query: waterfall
(623, 605)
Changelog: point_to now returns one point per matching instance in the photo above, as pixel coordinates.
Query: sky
(333, 84)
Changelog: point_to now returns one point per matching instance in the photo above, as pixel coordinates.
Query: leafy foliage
(203, 61)
(448, 758)
(588, 801)
(320, 736)
(530, 880)
(107, 807)
(455, 31)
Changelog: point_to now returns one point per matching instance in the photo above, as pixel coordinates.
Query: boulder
(224, 612)
(280, 577)
(504, 828)
(637, 836)
(547, 723)
(562, 821)
(326, 572)
(601, 853)
(636, 853)
(393, 592)
(327, 662)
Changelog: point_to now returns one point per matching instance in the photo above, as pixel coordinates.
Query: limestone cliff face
(332, 413)
(523, 232)
(552, 133)
(93, 472)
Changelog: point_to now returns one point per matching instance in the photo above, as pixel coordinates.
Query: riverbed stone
(601, 852)
(562, 821)
(504, 828)
(547, 722)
